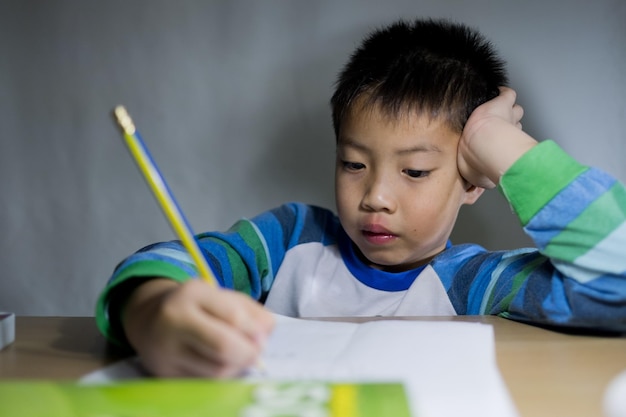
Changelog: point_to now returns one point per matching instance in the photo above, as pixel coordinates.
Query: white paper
(448, 368)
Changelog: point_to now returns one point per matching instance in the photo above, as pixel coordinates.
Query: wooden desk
(548, 373)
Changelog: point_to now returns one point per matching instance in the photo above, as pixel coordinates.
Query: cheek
(439, 202)
(431, 219)
(344, 197)
(425, 214)
(345, 186)
(341, 194)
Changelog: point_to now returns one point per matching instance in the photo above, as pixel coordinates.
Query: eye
(415, 173)
(352, 166)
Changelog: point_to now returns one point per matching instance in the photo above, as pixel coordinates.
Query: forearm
(577, 217)
(574, 213)
(499, 146)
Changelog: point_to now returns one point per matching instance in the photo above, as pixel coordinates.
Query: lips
(377, 235)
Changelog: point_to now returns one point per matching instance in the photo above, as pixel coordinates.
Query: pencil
(162, 193)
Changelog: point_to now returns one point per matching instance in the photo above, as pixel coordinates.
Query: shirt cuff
(537, 177)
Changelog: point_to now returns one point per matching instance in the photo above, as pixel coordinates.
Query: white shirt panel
(313, 281)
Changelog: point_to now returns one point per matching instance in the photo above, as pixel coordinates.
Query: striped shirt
(298, 260)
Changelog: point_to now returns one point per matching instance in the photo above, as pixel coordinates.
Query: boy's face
(397, 186)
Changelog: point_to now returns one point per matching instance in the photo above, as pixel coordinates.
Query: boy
(422, 127)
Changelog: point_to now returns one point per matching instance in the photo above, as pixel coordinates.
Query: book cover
(197, 397)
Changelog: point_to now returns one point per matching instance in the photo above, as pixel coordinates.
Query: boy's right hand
(194, 329)
(492, 140)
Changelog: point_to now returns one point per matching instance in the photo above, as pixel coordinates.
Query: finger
(195, 364)
(219, 342)
(518, 113)
(209, 370)
(241, 312)
(508, 93)
(215, 322)
(236, 309)
(189, 363)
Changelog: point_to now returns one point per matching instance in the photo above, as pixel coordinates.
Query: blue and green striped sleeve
(245, 258)
(576, 215)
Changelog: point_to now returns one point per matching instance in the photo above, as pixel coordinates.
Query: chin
(391, 263)
(384, 262)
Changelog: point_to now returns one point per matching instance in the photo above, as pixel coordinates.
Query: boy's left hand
(492, 140)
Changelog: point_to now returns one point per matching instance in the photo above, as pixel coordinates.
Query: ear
(472, 193)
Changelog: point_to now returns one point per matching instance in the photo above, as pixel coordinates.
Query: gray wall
(232, 97)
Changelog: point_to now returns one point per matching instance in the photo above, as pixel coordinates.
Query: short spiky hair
(437, 67)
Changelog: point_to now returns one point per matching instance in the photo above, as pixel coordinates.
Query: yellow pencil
(163, 195)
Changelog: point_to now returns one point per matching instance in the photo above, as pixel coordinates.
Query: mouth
(377, 235)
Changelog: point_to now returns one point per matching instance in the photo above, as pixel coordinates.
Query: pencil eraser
(7, 329)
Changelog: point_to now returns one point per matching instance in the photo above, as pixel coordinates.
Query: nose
(379, 195)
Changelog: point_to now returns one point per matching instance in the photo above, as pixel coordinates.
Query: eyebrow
(422, 148)
(419, 148)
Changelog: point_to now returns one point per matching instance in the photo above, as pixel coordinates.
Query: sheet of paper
(448, 368)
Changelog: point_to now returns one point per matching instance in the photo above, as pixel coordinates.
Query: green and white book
(198, 397)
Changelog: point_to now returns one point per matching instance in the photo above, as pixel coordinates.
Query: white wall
(232, 97)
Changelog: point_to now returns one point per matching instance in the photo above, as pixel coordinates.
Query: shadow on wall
(490, 223)
(299, 159)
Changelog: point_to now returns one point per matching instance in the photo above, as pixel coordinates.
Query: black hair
(437, 67)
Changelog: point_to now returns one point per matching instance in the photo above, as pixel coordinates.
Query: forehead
(370, 121)
(402, 110)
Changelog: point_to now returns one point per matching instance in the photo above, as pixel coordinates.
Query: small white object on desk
(7, 329)
(615, 397)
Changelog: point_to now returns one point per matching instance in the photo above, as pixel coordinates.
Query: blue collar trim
(374, 278)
